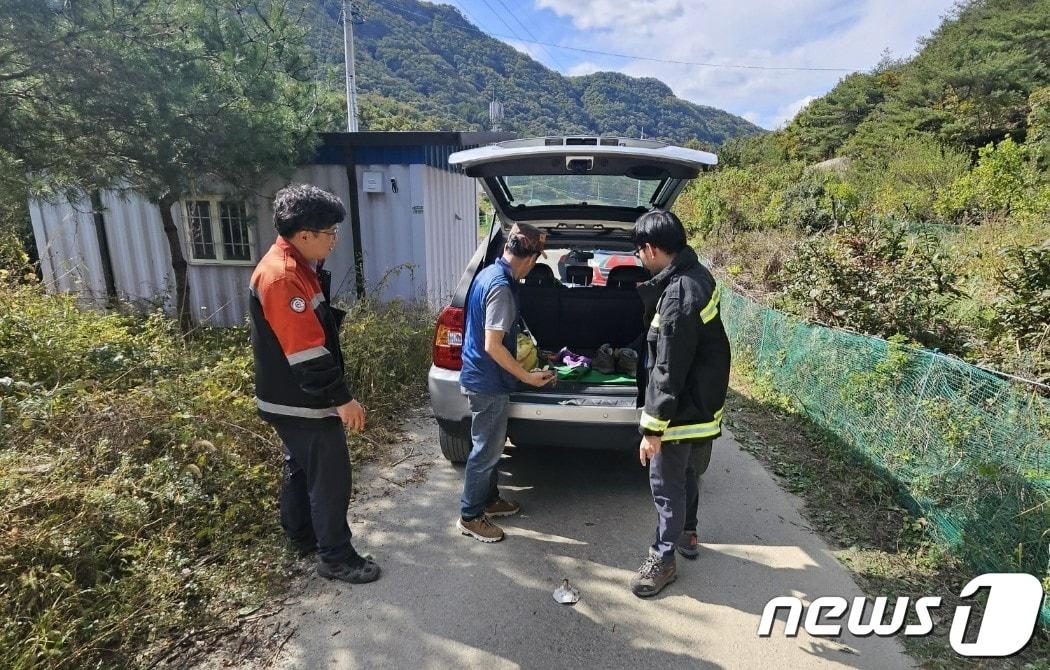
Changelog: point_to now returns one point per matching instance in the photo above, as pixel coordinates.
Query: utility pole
(638, 195)
(495, 114)
(348, 57)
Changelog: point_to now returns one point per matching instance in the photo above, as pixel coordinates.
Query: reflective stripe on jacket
(687, 352)
(295, 338)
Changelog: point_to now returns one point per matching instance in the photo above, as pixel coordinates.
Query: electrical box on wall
(372, 182)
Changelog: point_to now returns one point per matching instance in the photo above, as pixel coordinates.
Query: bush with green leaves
(137, 484)
(1022, 310)
(914, 173)
(1004, 181)
(877, 278)
(818, 200)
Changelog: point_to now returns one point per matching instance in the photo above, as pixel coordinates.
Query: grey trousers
(674, 477)
(315, 489)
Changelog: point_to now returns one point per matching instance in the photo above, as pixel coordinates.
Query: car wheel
(455, 448)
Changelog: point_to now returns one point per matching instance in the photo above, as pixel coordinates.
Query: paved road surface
(447, 601)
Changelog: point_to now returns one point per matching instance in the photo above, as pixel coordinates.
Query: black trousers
(315, 489)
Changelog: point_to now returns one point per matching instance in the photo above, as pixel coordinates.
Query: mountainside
(912, 200)
(976, 80)
(424, 66)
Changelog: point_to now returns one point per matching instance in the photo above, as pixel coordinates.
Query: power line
(460, 8)
(515, 32)
(689, 62)
(529, 32)
(626, 56)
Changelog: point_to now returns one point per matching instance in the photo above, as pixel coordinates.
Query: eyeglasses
(637, 252)
(332, 231)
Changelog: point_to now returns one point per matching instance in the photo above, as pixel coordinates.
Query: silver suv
(586, 193)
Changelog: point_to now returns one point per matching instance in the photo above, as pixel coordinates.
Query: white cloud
(850, 34)
(751, 116)
(788, 111)
(586, 67)
(608, 13)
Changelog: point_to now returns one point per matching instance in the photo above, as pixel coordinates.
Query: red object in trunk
(448, 339)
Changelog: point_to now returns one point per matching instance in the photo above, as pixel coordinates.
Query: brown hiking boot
(653, 576)
(502, 507)
(480, 529)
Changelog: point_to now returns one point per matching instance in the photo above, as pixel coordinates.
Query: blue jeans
(488, 433)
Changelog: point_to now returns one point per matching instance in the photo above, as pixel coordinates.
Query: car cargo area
(582, 317)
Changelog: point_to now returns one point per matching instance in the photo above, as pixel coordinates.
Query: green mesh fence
(971, 451)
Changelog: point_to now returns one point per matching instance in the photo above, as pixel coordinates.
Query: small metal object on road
(567, 594)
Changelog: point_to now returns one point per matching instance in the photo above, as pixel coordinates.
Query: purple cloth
(571, 359)
(574, 361)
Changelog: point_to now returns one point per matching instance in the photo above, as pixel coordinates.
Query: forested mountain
(425, 66)
(911, 200)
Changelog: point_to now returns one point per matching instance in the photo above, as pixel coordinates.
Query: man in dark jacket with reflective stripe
(687, 372)
(299, 385)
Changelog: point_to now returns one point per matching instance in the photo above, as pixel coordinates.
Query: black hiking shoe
(303, 549)
(604, 360)
(653, 576)
(688, 545)
(627, 362)
(357, 570)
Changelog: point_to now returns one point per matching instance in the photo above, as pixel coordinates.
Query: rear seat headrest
(627, 276)
(581, 275)
(541, 275)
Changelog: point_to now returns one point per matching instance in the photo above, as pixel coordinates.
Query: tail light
(448, 339)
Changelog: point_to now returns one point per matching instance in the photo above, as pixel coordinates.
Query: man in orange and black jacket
(299, 384)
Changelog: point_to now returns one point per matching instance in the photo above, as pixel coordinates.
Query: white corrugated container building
(411, 227)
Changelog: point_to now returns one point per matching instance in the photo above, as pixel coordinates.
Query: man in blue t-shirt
(490, 372)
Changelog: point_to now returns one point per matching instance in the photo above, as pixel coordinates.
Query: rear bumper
(540, 419)
(446, 400)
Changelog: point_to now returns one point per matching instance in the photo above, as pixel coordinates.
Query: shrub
(817, 200)
(917, 172)
(137, 485)
(876, 278)
(1003, 182)
(1022, 311)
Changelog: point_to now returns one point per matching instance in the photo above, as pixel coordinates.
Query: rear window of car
(601, 261)
(576, 189)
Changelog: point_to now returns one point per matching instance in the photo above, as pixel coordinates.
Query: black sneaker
(653, 576)
(604, 360)
(357, 570)
(302, 546)
(688, 545)
(303, 549)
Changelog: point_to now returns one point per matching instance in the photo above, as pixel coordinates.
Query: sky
(840, 36)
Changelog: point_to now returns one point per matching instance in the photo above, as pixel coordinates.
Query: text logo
(1009, 620)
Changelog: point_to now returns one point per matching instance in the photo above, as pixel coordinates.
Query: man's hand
(539, 378)
(352, 414)
(649, 447)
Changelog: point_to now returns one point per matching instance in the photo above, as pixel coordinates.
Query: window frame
(218, 239)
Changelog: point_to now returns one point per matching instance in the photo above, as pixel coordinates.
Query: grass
(859, 513)
(138, 486)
